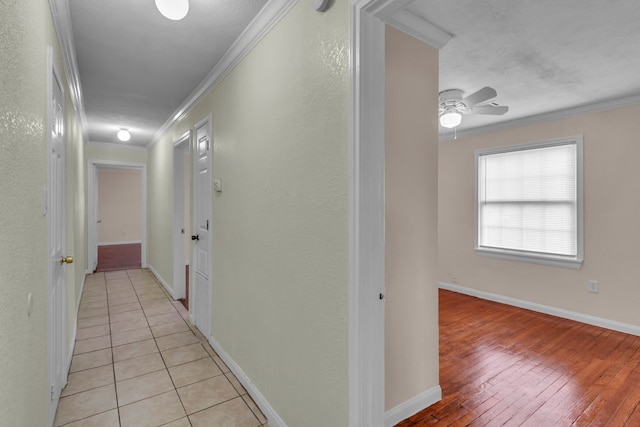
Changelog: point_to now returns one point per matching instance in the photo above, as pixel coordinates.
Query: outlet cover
(594, 286)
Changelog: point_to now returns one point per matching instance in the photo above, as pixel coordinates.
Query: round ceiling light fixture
(123, 135)
(450, 119)
(173, 9)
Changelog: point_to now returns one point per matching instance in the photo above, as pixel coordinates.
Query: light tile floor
(138, 361)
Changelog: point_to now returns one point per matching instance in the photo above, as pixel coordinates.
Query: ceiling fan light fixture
(174, 10)
(450, 119)
(123, 135)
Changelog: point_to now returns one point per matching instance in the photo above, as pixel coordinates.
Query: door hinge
(182, 231)
(207, 224)
(53, 391)
(381, 296)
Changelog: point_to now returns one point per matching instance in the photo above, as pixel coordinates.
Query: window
(529, 202)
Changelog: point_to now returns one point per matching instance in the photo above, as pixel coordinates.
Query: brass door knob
(67, 260)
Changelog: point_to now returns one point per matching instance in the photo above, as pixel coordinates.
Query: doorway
(182, 168)
(119, 219)
(117, 205)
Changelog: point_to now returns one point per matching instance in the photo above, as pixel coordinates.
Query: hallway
(138, 361)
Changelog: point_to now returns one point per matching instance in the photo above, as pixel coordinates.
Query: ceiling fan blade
(484, 94)
(490, 109)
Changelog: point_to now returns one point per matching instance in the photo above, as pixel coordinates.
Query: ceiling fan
(452, 105)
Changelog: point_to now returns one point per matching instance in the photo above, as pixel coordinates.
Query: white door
(201, 299)
(57, 260)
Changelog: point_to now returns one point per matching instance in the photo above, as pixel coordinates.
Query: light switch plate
(217, 185)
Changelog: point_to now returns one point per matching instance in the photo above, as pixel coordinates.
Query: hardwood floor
(502, 365)
(119, 257)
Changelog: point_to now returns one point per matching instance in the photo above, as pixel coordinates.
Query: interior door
(57, 260)
(201, 300)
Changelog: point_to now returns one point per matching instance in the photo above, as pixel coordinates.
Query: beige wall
(611, 203)
(280, 227)
(411, 195)
(119, 205)
(27, 30)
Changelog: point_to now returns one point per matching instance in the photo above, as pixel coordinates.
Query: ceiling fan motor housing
(451, 100)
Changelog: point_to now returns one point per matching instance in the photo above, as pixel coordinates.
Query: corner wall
(280, 265)
(411, 198)
(611, 206)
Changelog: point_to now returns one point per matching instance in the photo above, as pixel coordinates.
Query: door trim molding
(366, 217)
(92, 215)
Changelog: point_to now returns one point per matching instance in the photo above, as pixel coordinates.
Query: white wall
(27, 31)
(611, 203)
(411, 197)
(280, 227)
(119, 205)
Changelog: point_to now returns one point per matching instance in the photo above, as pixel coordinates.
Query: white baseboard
(268, 411)
(164, 284)
(412, 406)
(124, 242)
(554, 311)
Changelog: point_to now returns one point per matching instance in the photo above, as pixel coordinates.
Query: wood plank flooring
(119, 257)
(506, 366)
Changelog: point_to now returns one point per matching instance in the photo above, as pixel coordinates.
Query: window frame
(565, 261)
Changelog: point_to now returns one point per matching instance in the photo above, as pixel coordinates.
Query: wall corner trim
(540, 308)
(272, 416)
(265, 20)
(412, 406)
(420, 29)
(164, 284)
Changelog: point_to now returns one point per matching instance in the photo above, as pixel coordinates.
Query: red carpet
(119, 257)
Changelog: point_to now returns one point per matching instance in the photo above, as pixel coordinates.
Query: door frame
(179, 175)
(207, 122)
(92, 205)
(367, 211)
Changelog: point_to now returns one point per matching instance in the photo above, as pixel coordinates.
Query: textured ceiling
(540, 56)
(136, 67)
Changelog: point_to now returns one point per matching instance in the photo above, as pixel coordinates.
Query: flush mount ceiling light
(123, 135)
(450, 119)
(173, 9)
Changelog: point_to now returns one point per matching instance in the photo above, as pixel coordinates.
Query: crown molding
(610, 104)
(61, 15)
(264, 21)
(382, 9)
(420, 29)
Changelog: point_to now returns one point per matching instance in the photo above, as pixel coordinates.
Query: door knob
(67, 260)
(196, 237)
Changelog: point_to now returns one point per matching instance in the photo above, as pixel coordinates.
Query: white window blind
(527, 200)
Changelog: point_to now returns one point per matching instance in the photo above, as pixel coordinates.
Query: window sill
(555, 261)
